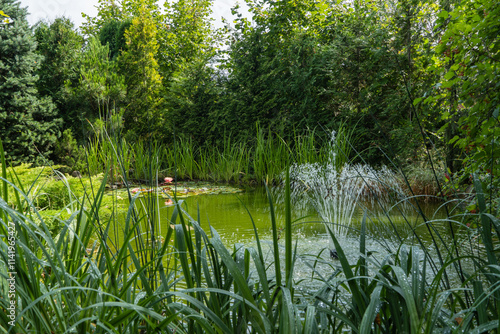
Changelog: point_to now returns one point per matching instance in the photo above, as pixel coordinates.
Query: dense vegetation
(85, 279)
(142, 91)
(410, 77)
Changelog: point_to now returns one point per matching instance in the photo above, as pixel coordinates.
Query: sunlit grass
(256, 162)
(185, 280)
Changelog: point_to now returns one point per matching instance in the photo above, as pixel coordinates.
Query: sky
(50, 9)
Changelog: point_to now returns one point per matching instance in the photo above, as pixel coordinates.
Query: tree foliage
(60, 45)
(28, 123)
(100, 91)
(471, 41)
(187, 54)
(314, 64)
(113, 35)
(139, 65)
(468, 92)
(289, 66)
(186, 36)
(275, 69)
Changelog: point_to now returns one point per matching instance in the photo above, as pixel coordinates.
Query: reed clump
(422, 182)
(262, 159)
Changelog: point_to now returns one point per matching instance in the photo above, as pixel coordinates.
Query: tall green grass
(184, 280)
(84, 280)
(259, 161)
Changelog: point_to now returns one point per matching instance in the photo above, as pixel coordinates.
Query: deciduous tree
(469, 91)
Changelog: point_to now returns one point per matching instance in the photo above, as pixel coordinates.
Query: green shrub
(69, 153)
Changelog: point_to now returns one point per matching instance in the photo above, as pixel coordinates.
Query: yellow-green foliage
(55, 195)
(46, 187)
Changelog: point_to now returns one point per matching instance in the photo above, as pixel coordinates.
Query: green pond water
(229, 214)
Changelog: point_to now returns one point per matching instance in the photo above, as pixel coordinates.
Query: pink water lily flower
(169, 203)
(169, 179)
(135, 190)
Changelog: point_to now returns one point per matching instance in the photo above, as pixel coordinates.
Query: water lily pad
(183, 189)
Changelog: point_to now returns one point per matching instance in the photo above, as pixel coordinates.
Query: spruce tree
(28, 124)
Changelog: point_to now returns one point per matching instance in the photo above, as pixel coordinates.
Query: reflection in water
(228, 214)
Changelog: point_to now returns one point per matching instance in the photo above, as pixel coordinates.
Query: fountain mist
(335, 190)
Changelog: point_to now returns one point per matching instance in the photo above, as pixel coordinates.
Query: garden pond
(231, 210)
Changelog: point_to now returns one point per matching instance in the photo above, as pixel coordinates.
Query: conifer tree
(138, 62)
(60, 45)
(28, 124)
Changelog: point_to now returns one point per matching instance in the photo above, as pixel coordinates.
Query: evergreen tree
(28, 124)
(60, 45)
(275, 67)
(100, 91)
(113, 34)
(138, 62)
(186, 55)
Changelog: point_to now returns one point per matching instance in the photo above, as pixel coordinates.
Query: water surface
(232, 214)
